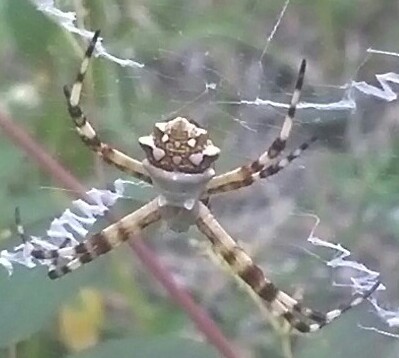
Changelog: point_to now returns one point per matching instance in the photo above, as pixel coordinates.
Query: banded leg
(102, 242)
(19, 226)
(86, 131)
(281, 304)
(56, 260)
(229, 180)
(272, 169)
(24, 239)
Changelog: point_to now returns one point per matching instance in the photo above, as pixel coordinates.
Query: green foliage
(149, 347)
(29, 301)
(23, 20)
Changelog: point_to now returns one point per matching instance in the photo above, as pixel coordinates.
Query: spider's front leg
(86, 131)
(247, 174)
(100, 243)
(280, 304)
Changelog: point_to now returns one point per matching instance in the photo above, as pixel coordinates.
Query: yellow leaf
(80, 324)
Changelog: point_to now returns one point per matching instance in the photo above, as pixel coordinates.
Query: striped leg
(102, 242)
(86, 131)
(24, 239)
(19, 226)
(281, 304)
(233, 179)
(281, 164)
(56, 260)
(272, 169)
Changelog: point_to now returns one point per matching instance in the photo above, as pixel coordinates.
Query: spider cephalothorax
(179, 145)
(179, 160)
(179, 166)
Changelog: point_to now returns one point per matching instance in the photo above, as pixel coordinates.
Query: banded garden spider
(179, 164)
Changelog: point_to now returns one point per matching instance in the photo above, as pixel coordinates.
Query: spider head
(179, 145)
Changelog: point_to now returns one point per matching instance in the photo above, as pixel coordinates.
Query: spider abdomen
(182, 190)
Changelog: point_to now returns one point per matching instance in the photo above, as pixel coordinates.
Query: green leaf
(29, 300)
(27, 26)
(145, 347)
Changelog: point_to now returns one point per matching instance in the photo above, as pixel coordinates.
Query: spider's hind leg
(55, 255)
(106, 240)
(280, 304)
(311, 320)
(19, 226)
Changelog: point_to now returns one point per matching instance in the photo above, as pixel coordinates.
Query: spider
(179, 164)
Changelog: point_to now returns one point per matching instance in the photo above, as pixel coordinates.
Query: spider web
(210, 93)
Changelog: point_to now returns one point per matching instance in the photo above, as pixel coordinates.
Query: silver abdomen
(180, 159)
(179, 194)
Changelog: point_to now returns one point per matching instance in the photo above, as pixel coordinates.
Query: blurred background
(204, 59)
